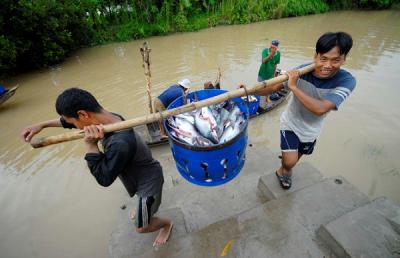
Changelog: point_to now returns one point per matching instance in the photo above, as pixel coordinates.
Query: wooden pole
(145, 51)
(41, 142)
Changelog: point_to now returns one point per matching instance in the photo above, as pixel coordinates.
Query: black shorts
(146, 209)
(290, 142)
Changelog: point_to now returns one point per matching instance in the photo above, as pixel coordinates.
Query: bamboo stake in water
(145, 51)
(41, 142)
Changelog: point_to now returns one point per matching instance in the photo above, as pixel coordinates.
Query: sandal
(285, 180)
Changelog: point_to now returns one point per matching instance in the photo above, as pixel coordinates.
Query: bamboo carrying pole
(41, 142)
(145, 51)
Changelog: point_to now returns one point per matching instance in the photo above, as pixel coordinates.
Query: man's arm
(278, 61)
(28, 132)
(272, 51)
(316, 106)
(268, 57)
(105, 167)
(270, 89)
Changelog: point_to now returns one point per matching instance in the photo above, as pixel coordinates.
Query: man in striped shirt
(314, 95)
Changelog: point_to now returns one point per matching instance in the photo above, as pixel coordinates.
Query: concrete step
(368, 231)
(283, 227)
(304, 175)
(125, 242)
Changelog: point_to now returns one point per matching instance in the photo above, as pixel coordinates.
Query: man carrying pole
(314, 96)
(125, 156)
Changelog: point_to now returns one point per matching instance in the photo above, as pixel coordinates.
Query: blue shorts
(290, 142)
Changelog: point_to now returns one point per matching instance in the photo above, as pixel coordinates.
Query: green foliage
(299, 8)
(8, 55)
(36, 33)
(375, 4)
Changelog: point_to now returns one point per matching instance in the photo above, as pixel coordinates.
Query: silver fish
(182, 135)
(187, 116)
(230, 132)
(206, 124)
(202, 141)
(183, 130)
(234, 114)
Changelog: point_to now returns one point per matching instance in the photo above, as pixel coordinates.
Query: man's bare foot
(163, 235)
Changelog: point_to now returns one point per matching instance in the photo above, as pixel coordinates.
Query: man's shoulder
(173, 87)
(344, 74)
(345, 79)
(120, 139)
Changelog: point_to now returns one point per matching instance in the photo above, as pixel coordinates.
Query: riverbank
(38, 34)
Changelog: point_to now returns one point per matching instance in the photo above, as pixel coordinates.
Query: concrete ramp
(368, 231)
(279, 228)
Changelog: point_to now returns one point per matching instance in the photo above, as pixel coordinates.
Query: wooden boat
(8, 94)
(273, 103)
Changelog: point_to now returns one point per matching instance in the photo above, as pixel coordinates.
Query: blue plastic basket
(210, 165)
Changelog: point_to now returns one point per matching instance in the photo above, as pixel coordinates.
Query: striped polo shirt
(305, 124)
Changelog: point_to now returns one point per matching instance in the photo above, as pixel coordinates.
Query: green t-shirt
(267, 69)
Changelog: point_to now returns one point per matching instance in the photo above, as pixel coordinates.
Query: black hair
(329, 40)
(70, 101)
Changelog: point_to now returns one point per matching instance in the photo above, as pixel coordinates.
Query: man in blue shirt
(168, 96)
(314, 96)
(2, 90)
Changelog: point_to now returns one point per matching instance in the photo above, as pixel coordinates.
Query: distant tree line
(37, 33)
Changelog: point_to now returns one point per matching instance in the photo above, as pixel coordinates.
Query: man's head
(330, 53)
(274, 44)
(208, 85)
(77, 107)
(185, 83)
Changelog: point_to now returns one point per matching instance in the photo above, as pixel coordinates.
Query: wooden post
(145, 51)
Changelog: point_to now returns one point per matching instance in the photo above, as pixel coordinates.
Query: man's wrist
(92, 148)
(293, 87)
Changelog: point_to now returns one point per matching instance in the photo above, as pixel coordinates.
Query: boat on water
(8, 94)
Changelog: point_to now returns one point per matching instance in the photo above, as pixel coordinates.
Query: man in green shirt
(269, 60)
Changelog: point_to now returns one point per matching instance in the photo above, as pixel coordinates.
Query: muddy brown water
(52, 207)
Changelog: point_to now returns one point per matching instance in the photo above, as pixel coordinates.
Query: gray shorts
(147, 207)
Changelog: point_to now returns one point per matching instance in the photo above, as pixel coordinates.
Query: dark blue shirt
(2, 90)
(170, 94)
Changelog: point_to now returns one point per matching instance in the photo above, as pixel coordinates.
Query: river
(50, 204)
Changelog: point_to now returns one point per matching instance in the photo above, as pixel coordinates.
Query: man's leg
(146, 222)
(290, 156)
(165, 227)
(292, 151)
(289, 160)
